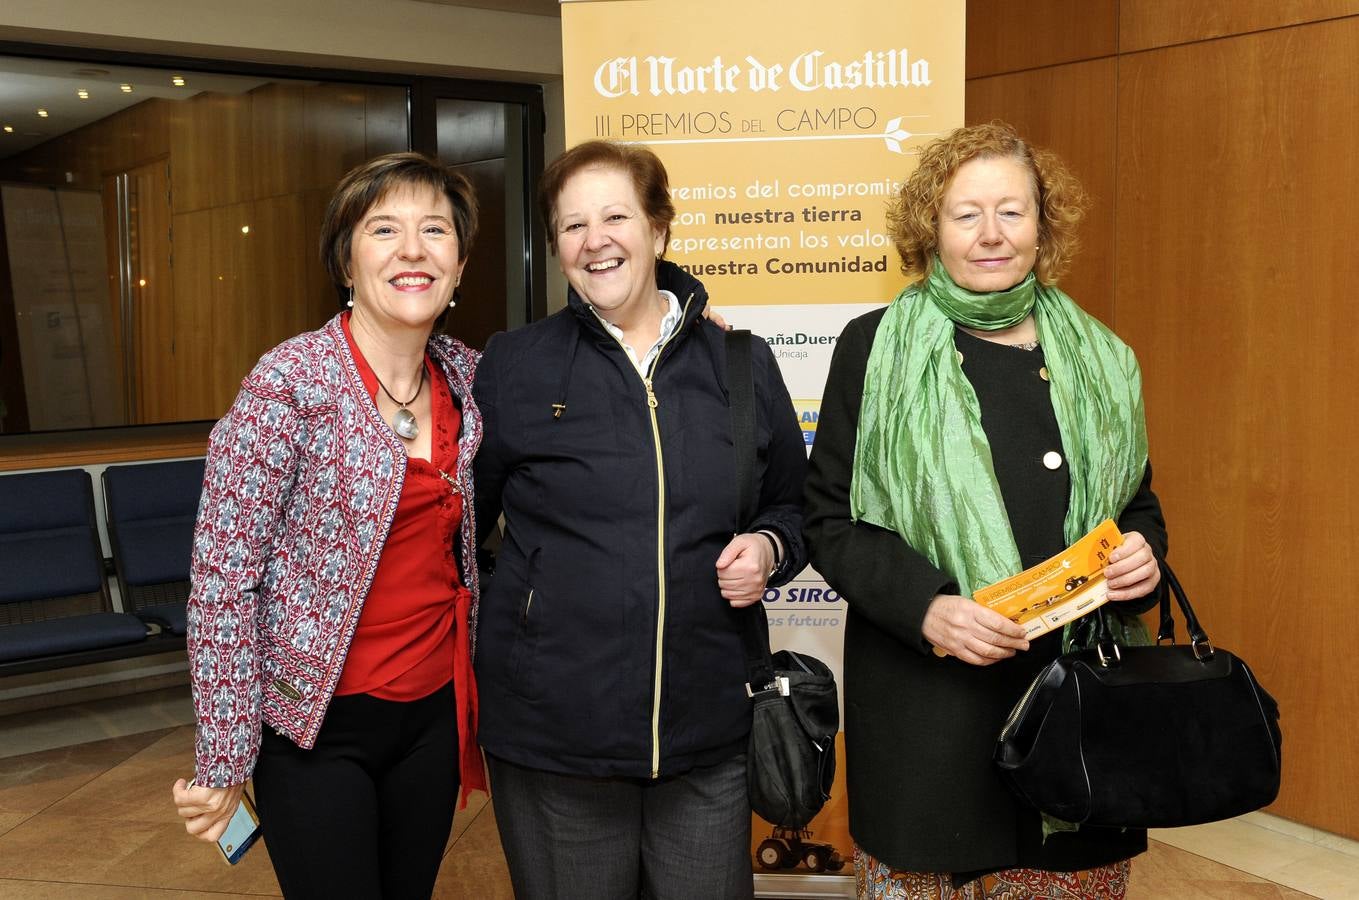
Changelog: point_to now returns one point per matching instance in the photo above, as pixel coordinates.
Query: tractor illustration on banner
(786, 847)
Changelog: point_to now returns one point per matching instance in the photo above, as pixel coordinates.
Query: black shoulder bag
(1144, 737)
(790, 761)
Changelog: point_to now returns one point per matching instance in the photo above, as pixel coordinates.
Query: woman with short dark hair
(334, 592)
(615, 717)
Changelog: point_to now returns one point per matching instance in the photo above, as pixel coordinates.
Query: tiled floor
(85, 812)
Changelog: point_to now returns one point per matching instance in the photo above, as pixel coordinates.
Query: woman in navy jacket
(614, 714)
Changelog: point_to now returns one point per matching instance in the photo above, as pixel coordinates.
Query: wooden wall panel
(470, 131)
(1070, 110)
(1003, 36)
(336, 137)
(235, 333)
(12, 395)
(152, 292)
(1235, 284)
(117, 345)
(321, 301)
(281, 304)
(209, 137)
(386, 129)
(137, 135)
(277, 126)
(306, 136)
(196, 292)
(1159, 23)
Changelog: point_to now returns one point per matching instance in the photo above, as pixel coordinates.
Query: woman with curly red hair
(974, 427)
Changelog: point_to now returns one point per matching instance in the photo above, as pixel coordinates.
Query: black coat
(568, 629)
(920, 730)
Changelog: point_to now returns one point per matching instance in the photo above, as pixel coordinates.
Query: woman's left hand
(1132, 571)
(743, 569)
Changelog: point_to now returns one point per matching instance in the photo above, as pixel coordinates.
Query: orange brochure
(1058, 590)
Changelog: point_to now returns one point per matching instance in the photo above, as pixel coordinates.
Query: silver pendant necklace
(404, 422)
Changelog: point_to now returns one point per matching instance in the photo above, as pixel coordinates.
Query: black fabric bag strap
(741, 393)
(741, 397)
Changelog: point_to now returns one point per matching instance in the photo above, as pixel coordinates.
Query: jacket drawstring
(560, 406)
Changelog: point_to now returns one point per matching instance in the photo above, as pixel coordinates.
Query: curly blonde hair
(913, 215)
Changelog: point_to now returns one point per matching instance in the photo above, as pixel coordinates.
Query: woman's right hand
(964, 628)
(206, 811)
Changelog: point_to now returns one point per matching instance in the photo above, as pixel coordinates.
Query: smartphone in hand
(241, 832)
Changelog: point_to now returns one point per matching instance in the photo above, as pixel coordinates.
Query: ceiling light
(177, 80)
(83, 94)
(42, 113)
(125, 88)
(245, 229)
(9, 129)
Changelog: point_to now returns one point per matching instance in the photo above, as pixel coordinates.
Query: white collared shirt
(669, 323)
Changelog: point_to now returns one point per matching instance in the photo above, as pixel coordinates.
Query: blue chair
(54, 602)
(150, 510)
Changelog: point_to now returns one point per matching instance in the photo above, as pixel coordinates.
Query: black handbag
(790, 759)
(1144, 737)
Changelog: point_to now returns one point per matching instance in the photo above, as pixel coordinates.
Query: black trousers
(366, 813)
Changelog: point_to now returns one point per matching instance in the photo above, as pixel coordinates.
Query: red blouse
(404, 648)
(412, 636)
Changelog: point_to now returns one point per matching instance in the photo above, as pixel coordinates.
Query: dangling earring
(351, 296)
(453, 301)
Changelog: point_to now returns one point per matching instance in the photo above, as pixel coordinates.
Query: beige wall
(1217, 139)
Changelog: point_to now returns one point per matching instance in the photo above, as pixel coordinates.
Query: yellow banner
(785, 127)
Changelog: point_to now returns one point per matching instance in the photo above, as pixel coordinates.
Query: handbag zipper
(1019, 707)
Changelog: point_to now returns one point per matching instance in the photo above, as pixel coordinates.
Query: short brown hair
(913, 215)
(367, 183)
(640, 164)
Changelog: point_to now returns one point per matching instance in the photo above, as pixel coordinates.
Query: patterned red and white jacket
(301, 485)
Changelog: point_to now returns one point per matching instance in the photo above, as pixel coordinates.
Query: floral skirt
(877, 880)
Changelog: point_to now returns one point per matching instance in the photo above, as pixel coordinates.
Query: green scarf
(922, 464)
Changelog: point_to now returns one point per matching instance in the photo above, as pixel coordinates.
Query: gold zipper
(1019, 707)
(652, 403)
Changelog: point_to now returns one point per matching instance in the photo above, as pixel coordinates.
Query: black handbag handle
(741, 396)
(1198, 638)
